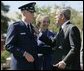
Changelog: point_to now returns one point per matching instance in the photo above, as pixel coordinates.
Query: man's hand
(29, 57)
(60, 65)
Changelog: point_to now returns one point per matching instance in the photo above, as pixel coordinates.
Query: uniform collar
(25, 22)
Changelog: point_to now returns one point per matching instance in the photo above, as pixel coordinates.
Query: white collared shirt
(25, 22)
(39, 35)
(65, 23)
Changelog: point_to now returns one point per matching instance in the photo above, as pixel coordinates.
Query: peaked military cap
(29, 7)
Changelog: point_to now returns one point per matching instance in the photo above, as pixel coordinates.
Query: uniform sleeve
(75, 44)
(11, 41)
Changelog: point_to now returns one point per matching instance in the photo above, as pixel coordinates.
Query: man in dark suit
(67, 43)
(21, 41)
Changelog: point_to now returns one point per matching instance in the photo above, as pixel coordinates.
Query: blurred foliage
(4, 55)
(76, 17)
(4, 18)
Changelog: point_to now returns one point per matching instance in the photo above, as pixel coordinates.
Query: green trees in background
(4, 55)
(4, 18)
(76, 18)
(4, 26)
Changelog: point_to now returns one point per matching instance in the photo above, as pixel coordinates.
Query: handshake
(28, 56)
(60, 65)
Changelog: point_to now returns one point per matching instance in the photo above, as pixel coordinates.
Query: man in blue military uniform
(21, 40)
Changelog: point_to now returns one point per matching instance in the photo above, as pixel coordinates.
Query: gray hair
(66, 13)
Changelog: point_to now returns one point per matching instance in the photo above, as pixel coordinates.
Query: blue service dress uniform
(20, 39)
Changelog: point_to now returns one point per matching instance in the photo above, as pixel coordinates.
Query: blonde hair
(40, 18)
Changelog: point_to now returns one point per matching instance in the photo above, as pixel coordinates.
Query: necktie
(29, 27)
(61, 33)
(60, 29)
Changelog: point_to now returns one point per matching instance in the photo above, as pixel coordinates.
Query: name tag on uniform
(60, 47)
(22, 33)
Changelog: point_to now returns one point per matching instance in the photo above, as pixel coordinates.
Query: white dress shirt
(65, 23)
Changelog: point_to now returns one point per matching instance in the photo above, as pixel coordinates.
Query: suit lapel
(65, 29)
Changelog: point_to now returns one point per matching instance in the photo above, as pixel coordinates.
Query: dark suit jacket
(20, 39)
(67, 44)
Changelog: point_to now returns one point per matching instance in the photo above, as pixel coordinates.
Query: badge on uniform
(23, 33)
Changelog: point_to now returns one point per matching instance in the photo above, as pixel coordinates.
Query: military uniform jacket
(20, 39)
